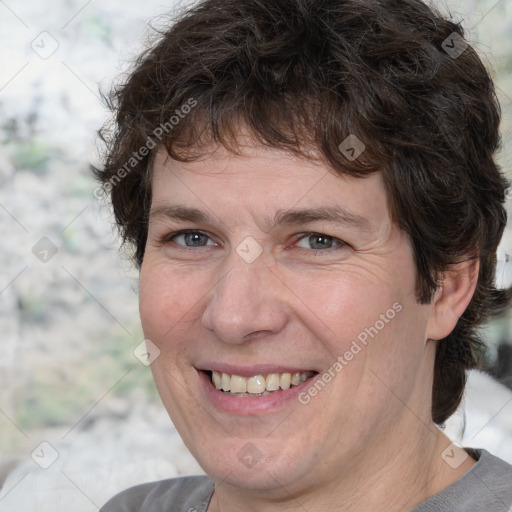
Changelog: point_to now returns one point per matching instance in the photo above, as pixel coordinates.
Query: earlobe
(452, 298)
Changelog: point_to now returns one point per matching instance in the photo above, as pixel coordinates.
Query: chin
(253, 465)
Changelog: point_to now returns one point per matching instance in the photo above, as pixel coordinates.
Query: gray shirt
(486, 487)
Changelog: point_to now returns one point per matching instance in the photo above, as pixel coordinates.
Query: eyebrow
(333, 214)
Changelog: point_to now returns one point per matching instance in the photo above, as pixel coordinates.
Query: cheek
(166, 301)
(373, 322)
(342, 304)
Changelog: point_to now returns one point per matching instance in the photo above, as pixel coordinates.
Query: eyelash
(299, 237)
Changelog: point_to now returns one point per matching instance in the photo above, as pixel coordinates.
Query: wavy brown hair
(302, 75)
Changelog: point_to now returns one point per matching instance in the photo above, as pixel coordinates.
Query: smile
(257, 385)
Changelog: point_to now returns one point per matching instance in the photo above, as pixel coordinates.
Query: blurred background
(79, 416)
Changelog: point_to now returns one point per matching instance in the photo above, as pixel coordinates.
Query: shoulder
(185, 493)
(486, 486)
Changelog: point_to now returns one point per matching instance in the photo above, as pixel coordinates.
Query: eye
(319, 241)
(314, 241)
(190, 238)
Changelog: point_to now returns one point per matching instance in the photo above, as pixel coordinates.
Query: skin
(366, 441)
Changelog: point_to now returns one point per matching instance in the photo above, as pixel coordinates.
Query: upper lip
(250, 371)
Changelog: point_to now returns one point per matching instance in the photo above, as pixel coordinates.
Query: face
(271, 269)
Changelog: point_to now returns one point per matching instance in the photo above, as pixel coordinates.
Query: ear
(452, 298)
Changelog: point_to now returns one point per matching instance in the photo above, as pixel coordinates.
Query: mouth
(259, 385)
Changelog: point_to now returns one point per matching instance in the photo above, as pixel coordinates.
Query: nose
(246, 302)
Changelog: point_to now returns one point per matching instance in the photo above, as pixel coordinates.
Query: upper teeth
(258, 383)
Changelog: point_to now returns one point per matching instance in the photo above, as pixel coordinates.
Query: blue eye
(191, 239)
(315, 242)
(319, 241)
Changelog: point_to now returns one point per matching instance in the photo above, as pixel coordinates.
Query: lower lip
(251, 406)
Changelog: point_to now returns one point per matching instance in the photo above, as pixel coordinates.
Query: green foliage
(32, 308)
(99, 28)
(32, 155)
(47, 402)
(60, 394)
(115, 356)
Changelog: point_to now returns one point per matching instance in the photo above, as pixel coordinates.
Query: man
(310, 190)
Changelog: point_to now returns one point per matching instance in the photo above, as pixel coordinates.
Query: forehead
(270, 181)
